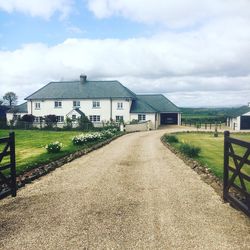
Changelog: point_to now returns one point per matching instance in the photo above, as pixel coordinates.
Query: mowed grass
(212, 149)
(30, 147)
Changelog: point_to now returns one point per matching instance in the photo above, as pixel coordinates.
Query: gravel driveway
(131, 194)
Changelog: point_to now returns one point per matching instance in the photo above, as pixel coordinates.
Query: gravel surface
(131, 194)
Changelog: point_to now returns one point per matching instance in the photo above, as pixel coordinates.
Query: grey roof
(139, 106)
(153, 103)
(78, 90)
(22, 108)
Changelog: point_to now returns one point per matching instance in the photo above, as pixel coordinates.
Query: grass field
(30, 151)
(212, 149)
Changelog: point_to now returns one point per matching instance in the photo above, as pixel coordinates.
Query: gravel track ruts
(131, 194)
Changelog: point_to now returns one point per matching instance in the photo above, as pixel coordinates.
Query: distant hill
(212, 114)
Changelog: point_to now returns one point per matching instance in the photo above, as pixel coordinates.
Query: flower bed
(94, 136)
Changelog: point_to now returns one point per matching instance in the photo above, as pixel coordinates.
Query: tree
(10, 98)
(1, 102)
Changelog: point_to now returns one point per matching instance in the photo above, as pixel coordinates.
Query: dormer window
(58, 104)
(37, 105)
(120, 105)
(96, 104)
(76, 104)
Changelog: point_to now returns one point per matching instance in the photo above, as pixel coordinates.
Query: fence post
(13, 163)
(226, 163)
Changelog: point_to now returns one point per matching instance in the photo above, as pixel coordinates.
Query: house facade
(100, 101)
(241, 122)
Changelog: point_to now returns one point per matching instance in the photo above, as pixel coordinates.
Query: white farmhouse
(240, 121)
(100, 101)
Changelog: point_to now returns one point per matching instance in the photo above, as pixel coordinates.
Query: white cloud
(206, 65)
(177, 13)
(40, 8)
(213, 60)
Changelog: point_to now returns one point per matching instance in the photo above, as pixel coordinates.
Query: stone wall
(142, 126)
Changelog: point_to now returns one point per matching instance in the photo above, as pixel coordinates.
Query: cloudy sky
(196, 52)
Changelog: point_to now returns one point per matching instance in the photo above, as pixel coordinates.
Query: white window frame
(60, 118)
(120, 105)
(74, 118)
(96, 104)
(37, 119)
(95, 118)
(37, 105)
(118, 118)
(58, 104)
(141, 117)
(76, 104)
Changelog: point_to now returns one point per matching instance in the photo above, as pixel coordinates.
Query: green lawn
(30, 151)
(212, 149)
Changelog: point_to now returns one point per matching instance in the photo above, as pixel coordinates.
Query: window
(58, 104)
(16, 117)
(38, 119)
(76, 104)
(120, 105)
(94, 118)
(96, 104)
(37, 105)
(141, 117)
(73, 117)
(119, 118)
(60, 118)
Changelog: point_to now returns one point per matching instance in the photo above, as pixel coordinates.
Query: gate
(7, 166)
(236, 173)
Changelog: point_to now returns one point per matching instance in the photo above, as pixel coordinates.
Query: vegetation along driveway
(131, 194)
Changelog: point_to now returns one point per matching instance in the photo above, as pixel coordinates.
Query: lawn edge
(39, 171)
(205, 173)
(202, 170)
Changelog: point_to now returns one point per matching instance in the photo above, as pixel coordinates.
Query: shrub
(216, 134)
(54, 147)
(28, 118)
(94, 136)
(189, 150)
(171, 139)
(84, 123)
(50, 120)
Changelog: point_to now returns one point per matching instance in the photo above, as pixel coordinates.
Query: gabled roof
(79, 112)
(22, 108)
(153, 103)
(139, 106)
(86, 90)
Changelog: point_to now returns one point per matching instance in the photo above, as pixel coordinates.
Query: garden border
(203, 171)
(42, 170)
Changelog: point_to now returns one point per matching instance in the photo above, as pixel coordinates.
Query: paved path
(131, 194)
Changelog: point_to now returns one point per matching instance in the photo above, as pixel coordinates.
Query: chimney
(83, 78)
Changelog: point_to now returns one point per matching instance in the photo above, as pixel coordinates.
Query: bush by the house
(50, 121)
(94, 136)
(54, 147)
(84, 123)
(28, 118)
(189, 150)
(171, 139)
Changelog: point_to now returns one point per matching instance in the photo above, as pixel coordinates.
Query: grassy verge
(30, 147)
(211, 154)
